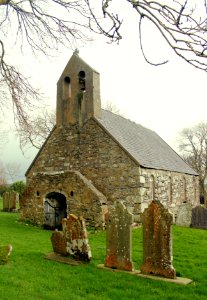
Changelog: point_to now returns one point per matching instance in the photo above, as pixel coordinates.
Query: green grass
(29, 276)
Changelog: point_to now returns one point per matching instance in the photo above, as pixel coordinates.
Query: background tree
(182, 23)
(193, 148)
(3, 180)
(35, 133)
(18, 186)
(44, 25)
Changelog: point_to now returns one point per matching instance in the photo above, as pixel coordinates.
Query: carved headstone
(118, 238)
(75, 233)
(59, 243)
(199, 217)
(184, 215)
(157, 241)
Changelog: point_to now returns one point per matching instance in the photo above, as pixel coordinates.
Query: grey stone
(184, 215)
(199, 217)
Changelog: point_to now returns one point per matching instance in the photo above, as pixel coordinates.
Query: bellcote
(78, 93)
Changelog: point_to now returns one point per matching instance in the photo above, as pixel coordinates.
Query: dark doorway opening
(55, 209)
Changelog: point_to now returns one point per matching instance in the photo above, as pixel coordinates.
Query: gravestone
(59, 243)
(5, 197)
(10, 200)
(157, 241)
(199, 217)
(184, 215)
(74, 231)
(118, 238)
(13, 196)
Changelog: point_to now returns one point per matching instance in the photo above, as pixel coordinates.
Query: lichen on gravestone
(77, 244)
(157, 241)
(59, 243)
(118, 238)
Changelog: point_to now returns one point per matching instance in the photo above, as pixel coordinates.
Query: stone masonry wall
(81, 196)
(92, 152)
(170, 188)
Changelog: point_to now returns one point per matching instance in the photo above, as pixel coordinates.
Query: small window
(152, 187)
(38, 193)
(71, 193)
(82, 81)
(67, 87)
(67, 79)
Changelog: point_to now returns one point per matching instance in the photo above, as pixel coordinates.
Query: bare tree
(12, 170)
(35, 133)
(108, 105)
(3, 180)
(43, 25)
(193, 148)
(182, 24)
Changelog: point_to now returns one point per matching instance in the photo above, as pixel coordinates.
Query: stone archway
(55, 209)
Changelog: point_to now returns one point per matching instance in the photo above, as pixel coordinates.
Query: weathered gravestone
(199, 217)
(13, 198)
(184, 215)
(72, 240)
(10, 200)
(118, 238)
(5, 197)
(59, 242)
(157, 241)
(75, 234)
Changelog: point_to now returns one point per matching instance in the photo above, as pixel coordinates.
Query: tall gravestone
(157, 241)
(184, 215)
(118, 238)
(12, 200)
(199, 217)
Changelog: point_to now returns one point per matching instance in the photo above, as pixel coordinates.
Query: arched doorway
(55, 209)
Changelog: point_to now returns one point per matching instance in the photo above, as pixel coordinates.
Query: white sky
(165, 99)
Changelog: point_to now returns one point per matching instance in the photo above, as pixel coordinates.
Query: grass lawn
(29, 276)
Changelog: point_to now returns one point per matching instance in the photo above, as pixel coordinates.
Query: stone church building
(93, 157)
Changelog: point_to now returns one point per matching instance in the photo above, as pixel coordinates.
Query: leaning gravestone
(184, 215)
(75, 233)
(157, 241)
(199, 217)
(118, 238)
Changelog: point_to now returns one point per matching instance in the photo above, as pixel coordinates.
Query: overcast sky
(165, 99)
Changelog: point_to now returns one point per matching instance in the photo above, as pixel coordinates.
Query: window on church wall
(184, 190)
(194, 189)
(152, 187)
(82, 81)
(170, 189)
(67, 87)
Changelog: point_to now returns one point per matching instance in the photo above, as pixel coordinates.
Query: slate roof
(144, 145)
